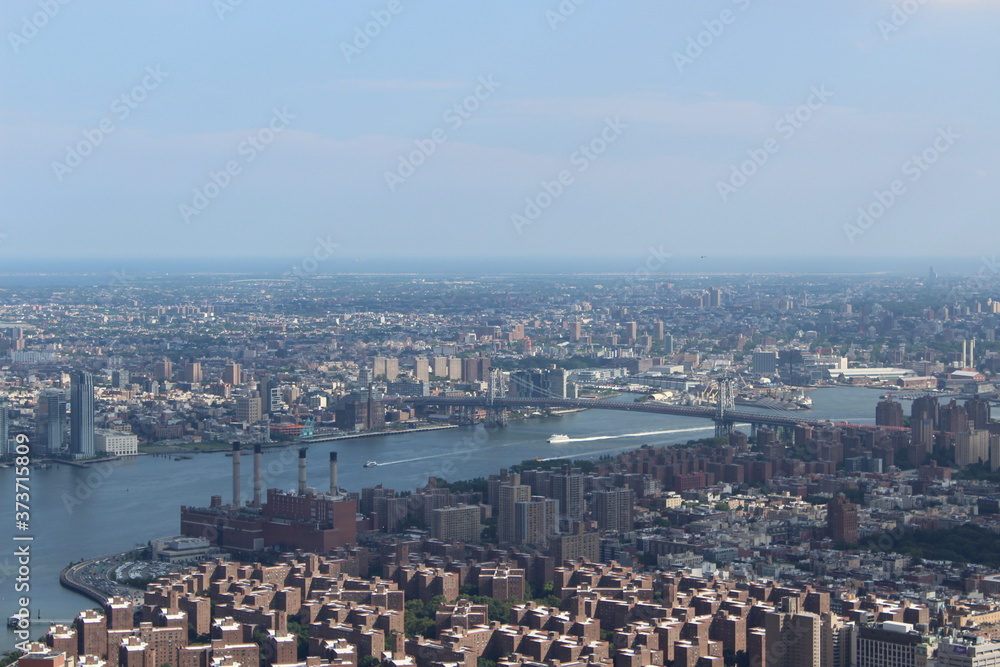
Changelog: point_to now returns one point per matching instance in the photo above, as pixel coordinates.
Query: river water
(83, 513)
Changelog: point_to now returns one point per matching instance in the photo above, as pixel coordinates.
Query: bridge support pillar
(467, 412)
(496, 417)
(723, 428)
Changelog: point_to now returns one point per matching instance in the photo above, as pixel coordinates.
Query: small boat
(371, 464)
(559, 437)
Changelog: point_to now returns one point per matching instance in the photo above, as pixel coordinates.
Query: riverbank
(89, 578)
(373, 434)
(113, 516)
(86, 463)
(217, 447)
(73, 578)
(46, 463)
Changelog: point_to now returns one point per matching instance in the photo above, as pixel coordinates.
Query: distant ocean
(24, 272)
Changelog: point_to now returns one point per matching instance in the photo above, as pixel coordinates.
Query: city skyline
(540, 432)
(554, 130)
(500, 334)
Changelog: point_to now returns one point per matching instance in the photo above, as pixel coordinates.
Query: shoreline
(173, 450)
(374, 434)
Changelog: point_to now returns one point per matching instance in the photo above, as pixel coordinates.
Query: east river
(81, 513)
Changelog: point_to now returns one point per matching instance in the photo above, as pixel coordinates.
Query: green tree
(418, 618)
(648, 558)
(258, 638)
(856, 496)
(499, 610)
(301, 633)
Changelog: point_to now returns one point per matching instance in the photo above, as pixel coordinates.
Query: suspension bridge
(724, 414)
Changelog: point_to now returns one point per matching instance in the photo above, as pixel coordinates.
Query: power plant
(302, 519)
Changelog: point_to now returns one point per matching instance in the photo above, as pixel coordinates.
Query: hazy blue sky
(115, 116)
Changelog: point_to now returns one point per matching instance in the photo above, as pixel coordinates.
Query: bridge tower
(725, 404)
(496, 415)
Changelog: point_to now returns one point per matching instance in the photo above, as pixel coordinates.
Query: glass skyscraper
(81, 415)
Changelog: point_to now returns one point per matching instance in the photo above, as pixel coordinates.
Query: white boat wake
(571, 440)
(419, 458)
(574, 455)
(639, 435)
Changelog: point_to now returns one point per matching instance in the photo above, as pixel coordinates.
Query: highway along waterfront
(86, 513)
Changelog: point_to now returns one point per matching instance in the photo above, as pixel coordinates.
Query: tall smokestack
(334, 486)
(972, 353)
(257, 474)
(963, 353)
(302, 470)
(236, 474)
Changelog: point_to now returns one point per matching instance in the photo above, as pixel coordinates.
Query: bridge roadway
(731, 416)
